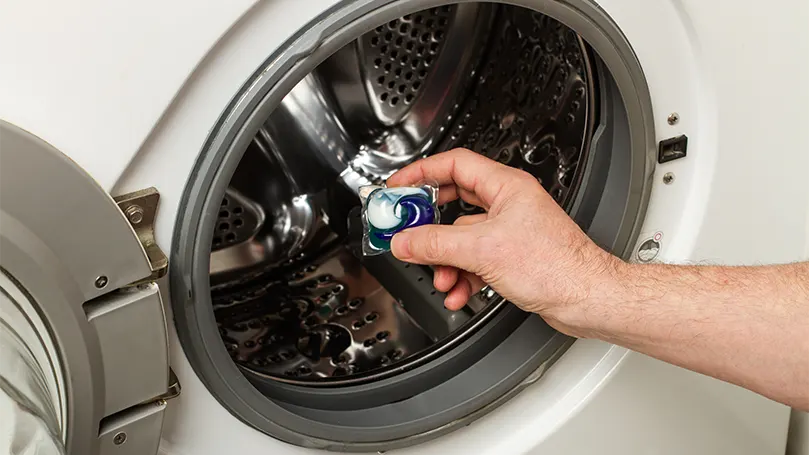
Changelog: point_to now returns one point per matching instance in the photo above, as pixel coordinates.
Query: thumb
(437, 244)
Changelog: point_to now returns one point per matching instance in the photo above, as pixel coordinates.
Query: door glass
(27, 412)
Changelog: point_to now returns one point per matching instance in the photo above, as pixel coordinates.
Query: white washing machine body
(130, 93)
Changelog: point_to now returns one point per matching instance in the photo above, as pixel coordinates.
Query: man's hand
(525, 246)
(745, 325)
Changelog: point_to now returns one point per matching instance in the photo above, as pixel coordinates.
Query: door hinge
(173, 390)
(141, 424)
(140, 209)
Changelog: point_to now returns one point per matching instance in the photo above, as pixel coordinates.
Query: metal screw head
(673, 118)
(119, 438)
(134, 213)
(668, 178)
(101, 282)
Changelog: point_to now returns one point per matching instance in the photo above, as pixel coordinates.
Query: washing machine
(178, 186)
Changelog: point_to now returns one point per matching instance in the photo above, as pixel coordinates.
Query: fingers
(458, 295)
(469, 220)
(459, 285)
(468, 285)
(467, 170)
(475, 281)
(437, 244)
(449, 193)
(471, 198)
(444, 278)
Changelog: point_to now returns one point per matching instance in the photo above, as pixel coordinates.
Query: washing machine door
(83, 342)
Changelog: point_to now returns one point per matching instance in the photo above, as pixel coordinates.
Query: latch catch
(140, 208)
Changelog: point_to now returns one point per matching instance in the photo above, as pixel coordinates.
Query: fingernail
(400, 245)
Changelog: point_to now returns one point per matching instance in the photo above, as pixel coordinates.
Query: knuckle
(434, 248)
(523, 177)
(488, 271)
(460, 151)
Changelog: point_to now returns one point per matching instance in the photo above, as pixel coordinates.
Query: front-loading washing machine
(178, 187)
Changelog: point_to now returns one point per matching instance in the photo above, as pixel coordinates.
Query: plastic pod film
(388, 211)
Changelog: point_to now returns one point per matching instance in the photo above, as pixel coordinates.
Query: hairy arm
(744, 325)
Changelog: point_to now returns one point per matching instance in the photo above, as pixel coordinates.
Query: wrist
(606, 298)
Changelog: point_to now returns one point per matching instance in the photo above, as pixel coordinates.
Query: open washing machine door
(83, 345)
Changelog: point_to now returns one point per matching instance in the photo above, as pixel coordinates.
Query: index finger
(464, 168)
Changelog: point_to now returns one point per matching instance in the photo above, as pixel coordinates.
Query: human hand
(525, 246)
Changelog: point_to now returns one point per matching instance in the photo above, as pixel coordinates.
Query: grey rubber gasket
(331, 30)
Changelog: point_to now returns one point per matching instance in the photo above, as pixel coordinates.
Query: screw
(673, 118)
(668, 178)
(135, 214)
(101, 282)
(119, 438)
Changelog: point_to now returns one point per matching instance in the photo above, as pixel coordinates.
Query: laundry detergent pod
(387, 211)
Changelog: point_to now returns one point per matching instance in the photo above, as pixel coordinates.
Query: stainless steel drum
(294, 301)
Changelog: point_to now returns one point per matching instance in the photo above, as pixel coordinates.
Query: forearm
(745, 325)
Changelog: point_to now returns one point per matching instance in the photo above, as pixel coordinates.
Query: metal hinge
(173, 390)
(141, 423)
(140, 208)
